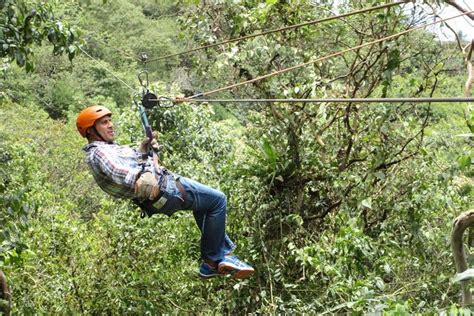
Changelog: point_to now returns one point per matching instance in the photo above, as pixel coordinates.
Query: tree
(23, 26)
(315, 159)
(318, 172)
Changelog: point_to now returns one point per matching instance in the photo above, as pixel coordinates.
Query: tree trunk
(4, 295)
(461, 223)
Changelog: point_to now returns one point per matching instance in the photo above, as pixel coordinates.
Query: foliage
(321, 166)
(342, 208)
(23, 26)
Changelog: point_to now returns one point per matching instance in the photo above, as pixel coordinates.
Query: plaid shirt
(115, 168)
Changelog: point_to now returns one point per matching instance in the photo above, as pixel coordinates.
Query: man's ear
(89, 132)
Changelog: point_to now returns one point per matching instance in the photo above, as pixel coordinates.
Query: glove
(143, 148)
(147, 187)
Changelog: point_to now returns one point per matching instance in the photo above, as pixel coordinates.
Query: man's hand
(147, 187)
(143, 148)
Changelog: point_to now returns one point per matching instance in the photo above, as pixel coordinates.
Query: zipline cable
(331, 100)
(339, 53)
(320, 100)
(368, 100)
(280, 30)
(106, 69)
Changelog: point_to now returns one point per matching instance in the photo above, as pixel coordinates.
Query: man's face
(105, 128)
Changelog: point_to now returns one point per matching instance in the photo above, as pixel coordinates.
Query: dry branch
(470, 70)
(460, 8)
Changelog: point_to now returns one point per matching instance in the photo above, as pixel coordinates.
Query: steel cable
(106, 69)
(339, 53)
(313, 22)
(320, 100)
(331, 100)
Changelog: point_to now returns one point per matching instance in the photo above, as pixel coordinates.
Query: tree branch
(460, 8)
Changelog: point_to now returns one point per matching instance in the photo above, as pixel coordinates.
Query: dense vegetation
(340, 207)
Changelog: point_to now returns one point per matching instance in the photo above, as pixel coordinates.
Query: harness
(151, 207)
(149, 100)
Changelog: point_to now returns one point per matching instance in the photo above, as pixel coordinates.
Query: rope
(319, 59)
(280, 30)
(106, 69)
(333, 100)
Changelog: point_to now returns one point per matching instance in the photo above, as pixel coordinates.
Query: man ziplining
(129, 173)
(132, 174)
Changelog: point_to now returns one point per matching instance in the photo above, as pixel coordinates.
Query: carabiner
(147, 83)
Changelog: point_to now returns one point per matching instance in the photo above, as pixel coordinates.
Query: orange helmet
(88, 116)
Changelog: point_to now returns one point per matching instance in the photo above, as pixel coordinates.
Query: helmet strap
(95, 134)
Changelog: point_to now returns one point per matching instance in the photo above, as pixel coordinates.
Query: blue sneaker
(233, 265)
(206, 271)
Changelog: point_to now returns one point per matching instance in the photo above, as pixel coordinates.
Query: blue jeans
(209, 208)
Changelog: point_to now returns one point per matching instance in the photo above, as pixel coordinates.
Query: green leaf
(268, 151)
(71, 55)
(380, 284)
(380, 175)
(20, 58)
(29, 66)
(393, 59)
(464, 161)
(367, 203)
(52, 35)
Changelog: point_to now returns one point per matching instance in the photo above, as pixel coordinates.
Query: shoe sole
(236, 272)
(207, 276)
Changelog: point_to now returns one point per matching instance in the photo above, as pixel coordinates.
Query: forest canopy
(341, 207)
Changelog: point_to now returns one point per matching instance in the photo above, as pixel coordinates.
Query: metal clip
(142, 83)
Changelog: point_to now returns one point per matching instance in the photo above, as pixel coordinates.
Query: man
(127, 173)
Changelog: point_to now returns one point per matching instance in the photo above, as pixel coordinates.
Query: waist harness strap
(150, 207)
